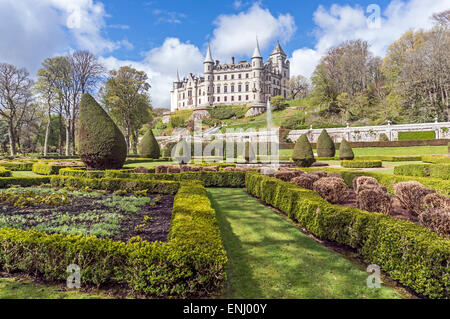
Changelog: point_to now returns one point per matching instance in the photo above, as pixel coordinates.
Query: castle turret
(208, 70)
(257, 68)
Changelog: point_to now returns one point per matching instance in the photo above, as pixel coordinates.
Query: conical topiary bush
(101, 145)
(249, 152)
(345, 151)
(303, 155)
(325, 145)
(149, 147)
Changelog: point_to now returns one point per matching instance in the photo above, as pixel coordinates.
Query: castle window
(232, 98)
(239, 97)
(225, 89)
(218, 78)
(225, 99)
(183, 97)
(232, 89)
(239, 88)
(246, 97)
(246, 75)
(225, 77)
(232, 76)
(218, 99)
(246, 88)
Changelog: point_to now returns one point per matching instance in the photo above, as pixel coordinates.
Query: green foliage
(101, 145)
(50, 169)
(249, 152)
(383, 138)
(278, 103)
(408, 136)
(345, 151)
(296, 122)
(409, 253)
(177, 121)
(303, 155)
(22, 198)
(167, 150)
(325, 145)
(18, 166)
(149, 147)
(361, 164)
(4, 172)
(225, 112)
(424, 170)
(6, 182)
(434, 159)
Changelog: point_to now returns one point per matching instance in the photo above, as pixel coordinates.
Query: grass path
(271, 258)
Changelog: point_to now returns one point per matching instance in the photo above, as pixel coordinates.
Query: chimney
(232, 60)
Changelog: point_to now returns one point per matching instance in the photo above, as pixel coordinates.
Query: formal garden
(161, 225)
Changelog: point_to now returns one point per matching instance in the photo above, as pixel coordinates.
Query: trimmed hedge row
(415, 136)
(383, 158)
(6, 182)
(114, 184)
(409, 253)
(208, 179)
(436, 159)
(361, 164)
(388, 180)
(4, 172)
(51, 169)
(191, 263)
(18, 166)
(146, 160)
(424, 170)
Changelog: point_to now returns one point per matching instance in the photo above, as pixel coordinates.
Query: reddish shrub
(210, 168)
(320, 173)
(375, 199)
(411, 195)
(305, 180)
(333, 189)
(287, 176)
(140, 169)
(190, 168)
(335, 175)
(436, 201)
(161, 169)
(437, 220)
(362, 182)
(172, 169)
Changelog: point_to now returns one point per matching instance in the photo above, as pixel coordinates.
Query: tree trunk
(12, 140)
(60, 134)
(68, 134)
(47, 133)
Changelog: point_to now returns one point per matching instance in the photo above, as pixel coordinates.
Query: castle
(250, 83)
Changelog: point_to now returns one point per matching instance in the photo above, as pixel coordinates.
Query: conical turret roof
(278, 50)
(208, 55)
(257, 52)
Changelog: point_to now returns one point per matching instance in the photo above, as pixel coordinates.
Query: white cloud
(235, 34)
(31, 31)
(161, 66)
(341, 23)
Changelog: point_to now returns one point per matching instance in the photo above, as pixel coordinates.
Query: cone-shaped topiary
(303, 155)
(101, 145)
(345, 151)
(325, 145)
(149, 147)
(249, 152)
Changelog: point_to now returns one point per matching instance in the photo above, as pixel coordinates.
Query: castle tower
(257, 68)
(208, 70)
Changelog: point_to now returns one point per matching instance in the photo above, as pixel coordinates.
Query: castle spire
(257, 52)
(178, 77)
(208, 55)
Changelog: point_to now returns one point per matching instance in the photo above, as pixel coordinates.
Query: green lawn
(271, 258)
(24, 174)
(147, 165)
(20, 288)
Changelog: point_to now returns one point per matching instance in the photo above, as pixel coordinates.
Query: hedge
(4, 172)
(439, 185)
(409, 253)
(6, 182)
(424, 170)
(51, 169)
(415, 136)
(191, 263)
(361, 164)
(436, 159)
(18, 166)
(114, 184)
(146, 160)
(383, 158)
(77, 172)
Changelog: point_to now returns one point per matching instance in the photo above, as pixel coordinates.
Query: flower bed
(409, 253)
(4, 172)
(361, 164)
(191, 263)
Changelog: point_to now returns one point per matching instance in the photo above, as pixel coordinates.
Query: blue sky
(160, 37)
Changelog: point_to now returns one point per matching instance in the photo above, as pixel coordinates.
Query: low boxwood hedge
(409, 253)
(51, 169)
(436, 159)
(18, 166)
(146, 160)
(4, 172)
(209, 179)
(191, 263)
(424, 170)
(6, 182)
(361, 164)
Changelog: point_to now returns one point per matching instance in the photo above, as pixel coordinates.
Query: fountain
(269, 115)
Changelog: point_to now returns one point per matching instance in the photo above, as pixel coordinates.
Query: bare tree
(15, 98)
(298, 85)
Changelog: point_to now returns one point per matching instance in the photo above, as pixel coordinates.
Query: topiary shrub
(411, 195)
(305, 180)
(325, 145)
(334, 190)
(181, 153)
(436, 201)
(101, 145)
(303, 155)
(374, 199)
(364, 182)
(320, 173)
(437, 220)
(345, 151)
(140, 169)
(286, 176)
(190, 168)
(167, 150)
(149, 147)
